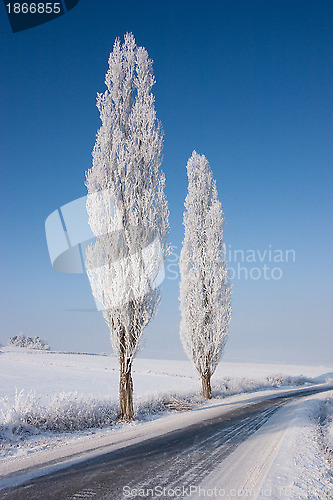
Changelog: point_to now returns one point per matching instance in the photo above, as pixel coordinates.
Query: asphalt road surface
(178, 459)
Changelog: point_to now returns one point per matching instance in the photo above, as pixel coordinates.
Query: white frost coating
(133, 282)
(205, 289)
(128, 210)
(103, 214)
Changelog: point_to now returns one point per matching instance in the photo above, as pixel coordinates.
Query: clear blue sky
(248, 84)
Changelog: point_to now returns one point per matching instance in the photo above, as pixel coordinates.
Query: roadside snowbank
(284, 460)
(301, 469)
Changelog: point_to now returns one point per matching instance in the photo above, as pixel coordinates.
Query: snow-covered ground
(48, 401)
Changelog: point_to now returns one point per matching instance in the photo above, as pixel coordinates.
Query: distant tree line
(22, 340)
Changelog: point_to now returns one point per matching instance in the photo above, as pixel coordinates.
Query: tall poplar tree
(127, 207)
(205, 290)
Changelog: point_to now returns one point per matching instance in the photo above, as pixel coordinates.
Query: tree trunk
(206, 388)
(125, 394)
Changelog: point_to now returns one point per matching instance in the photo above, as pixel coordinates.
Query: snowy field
(53, 401)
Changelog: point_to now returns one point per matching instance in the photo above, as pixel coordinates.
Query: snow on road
(282, 460)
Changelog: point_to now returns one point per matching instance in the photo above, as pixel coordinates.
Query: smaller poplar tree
(205, 289)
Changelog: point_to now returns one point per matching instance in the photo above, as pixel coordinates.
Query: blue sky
(248, 84)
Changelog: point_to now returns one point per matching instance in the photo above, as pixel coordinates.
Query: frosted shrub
(17, 417)
(324, 428)
(229, 386)
(280, 380)
(62, 412)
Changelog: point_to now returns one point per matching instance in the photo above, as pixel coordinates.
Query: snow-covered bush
(22, 340)
(59, 413)
(228, 386)
(27, 414)
(324, 426)
(279, 380)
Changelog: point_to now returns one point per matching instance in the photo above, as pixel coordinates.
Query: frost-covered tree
(205, 289)
(127, 207)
